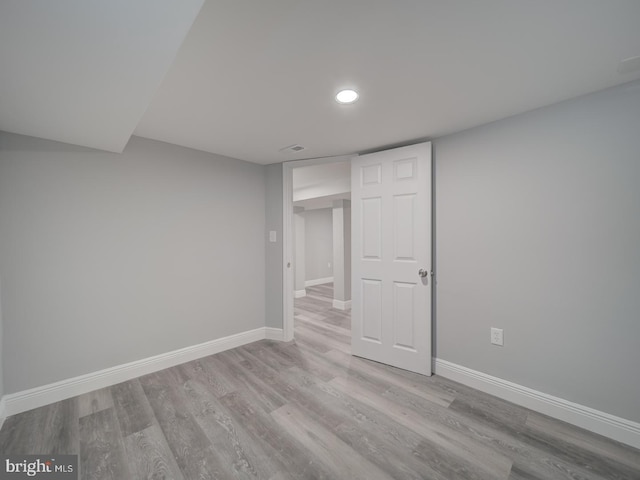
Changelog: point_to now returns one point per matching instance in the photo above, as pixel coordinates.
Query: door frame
(287, 235)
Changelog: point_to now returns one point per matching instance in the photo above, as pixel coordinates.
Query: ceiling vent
(292, 148)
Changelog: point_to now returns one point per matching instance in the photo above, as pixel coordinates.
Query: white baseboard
(300, 293)
(271, 333)
(318, 281)
(2, 411)
(617, 428)
(37, 397)
(342, 304)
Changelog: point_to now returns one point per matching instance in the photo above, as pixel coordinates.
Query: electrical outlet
(497, 336)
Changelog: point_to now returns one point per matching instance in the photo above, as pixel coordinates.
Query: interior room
(355, 239)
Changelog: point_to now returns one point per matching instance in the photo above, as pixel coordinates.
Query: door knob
(423, 273)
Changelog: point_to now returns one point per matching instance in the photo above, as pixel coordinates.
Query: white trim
(287, 251)
(2, 410)
(37, 397)
(342, 305)
(300, 293)
(620, 429)
(318, 281)
(271, 333)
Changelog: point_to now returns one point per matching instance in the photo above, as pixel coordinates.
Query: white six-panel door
(391, 243)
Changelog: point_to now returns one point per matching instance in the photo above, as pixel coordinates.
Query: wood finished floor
(307, 409)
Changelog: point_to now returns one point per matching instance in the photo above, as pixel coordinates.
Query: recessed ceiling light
(346, 96)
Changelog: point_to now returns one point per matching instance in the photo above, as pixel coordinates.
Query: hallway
(320, 325)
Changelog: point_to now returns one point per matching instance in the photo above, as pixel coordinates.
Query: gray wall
(318, 243)
(538, 233)
(273, 273)
(107, 258)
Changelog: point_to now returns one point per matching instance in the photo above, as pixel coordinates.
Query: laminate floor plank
(251, 365)
(327, 333)
(370, 432)
(498, 437)
(174, 376)
(332, 316)
(131, 406)
(233, 446)
(319, 400)
(269, 396)
(52, 429)
(332, 453)
(447, 464)
(484, 457)
(300, 355)
(190, 446)
(20, 433)
(324, 326)
(308, 409)
(205, 371)
(394, 448)
(95, 401)
(594, 444)
(551, 468)
(505, 437)
(295, 389)
(311, 341)
(517, 473)
(396, 460)
(327, 344)
(102, 451)
(62, 429)
(269, 357)
(489, 410)
(295, 460)
(316, 314)
(418, 387)
(572, 457)
(149, 455)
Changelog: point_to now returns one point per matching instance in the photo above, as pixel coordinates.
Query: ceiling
(84, 72)
(322, 202)
(323, 179)
(252, 77)
(317, 186)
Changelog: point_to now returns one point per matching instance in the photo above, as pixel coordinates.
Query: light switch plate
(272, 236)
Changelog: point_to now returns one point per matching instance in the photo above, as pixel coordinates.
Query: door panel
(372, 310)
(391, 242)
(371, 228)
(403, 315)
(403, 227)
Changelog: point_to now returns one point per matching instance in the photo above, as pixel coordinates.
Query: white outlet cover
(497, 336)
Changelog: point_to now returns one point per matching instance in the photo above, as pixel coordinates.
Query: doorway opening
(317, 244)
(392, 295)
